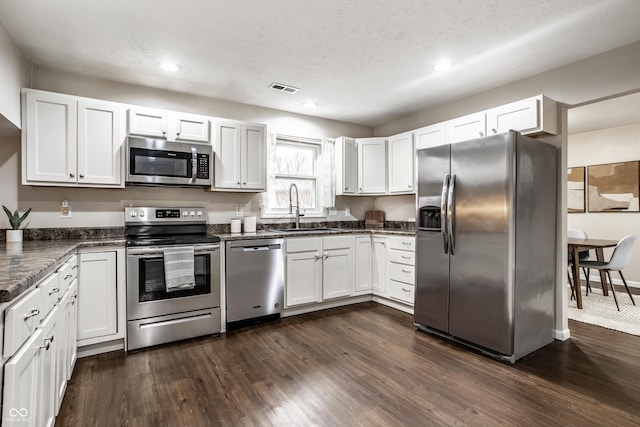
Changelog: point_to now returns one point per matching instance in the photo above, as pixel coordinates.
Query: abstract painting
(575, 190)
(614, 187)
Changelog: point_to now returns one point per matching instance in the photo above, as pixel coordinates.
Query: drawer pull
(406, 271)
(33, 312)
(67, 276)
(406, 290)
(54, 291)
(406, 257)
(47, 343)
(74, 267)
(406, 243)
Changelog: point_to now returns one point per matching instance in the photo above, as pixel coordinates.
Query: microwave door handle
(194, 164)
(443, 214)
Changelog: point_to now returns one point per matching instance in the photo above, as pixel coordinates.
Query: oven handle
(156, 251)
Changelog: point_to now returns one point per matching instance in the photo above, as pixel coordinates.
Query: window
(298, 161)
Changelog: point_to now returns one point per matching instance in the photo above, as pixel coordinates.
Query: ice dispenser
(429, 218)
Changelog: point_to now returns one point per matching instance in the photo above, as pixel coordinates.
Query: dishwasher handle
(257, 248)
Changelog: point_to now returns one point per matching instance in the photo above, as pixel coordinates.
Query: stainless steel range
(173, 276)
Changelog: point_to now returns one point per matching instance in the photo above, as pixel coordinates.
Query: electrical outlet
(65, 209)
(347, 211)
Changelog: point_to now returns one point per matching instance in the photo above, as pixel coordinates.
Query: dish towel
(178, 268)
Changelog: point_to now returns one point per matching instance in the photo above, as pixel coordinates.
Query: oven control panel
(164, 215)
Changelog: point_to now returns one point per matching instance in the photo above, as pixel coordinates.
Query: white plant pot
(13, 235)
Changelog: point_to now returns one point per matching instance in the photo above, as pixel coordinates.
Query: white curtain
(327, 176)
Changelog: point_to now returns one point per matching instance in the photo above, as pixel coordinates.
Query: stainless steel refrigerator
(485, 245)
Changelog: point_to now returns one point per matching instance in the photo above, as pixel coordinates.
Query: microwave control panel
(203, 166)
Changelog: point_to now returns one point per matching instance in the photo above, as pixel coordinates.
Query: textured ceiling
(362, 61)
(611, 113)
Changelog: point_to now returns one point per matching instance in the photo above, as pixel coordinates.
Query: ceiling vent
(283, 88)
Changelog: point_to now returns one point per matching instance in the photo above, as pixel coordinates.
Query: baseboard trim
(324, 305)
(561, 334)
(105, 347)
(393, 304)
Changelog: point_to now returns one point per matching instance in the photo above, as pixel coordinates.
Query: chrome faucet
(297, 204)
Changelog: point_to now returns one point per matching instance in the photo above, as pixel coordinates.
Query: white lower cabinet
(363, 265)
(401, 269)
(379, 266)
(97, 296)
(318, 269)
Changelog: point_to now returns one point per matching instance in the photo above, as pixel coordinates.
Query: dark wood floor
(358, 365)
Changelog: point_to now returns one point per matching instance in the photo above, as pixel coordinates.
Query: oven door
(146, 289)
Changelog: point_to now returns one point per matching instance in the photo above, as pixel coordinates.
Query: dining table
(575, 246)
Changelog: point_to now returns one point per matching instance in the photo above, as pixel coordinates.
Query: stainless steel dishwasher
(255, 281)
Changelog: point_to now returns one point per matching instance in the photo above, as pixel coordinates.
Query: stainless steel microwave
(161, 162)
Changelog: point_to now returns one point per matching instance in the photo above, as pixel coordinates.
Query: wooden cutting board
(374, 219)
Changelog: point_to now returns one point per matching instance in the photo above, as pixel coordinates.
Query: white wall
(14, 74)
(104, 207)
(613, 145)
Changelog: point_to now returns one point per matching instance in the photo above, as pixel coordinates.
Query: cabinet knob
(481, 133)
(244, 183)
(81, 175)
(360, 189)
(71, 175)
(164, 133)
(494, 130)
(177, 134)
(238, 182)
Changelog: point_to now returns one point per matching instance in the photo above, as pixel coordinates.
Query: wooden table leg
(603, 274)
(576, 275)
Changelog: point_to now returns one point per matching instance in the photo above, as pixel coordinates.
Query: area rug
(600, 310)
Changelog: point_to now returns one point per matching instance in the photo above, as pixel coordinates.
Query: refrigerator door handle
(451, 213)
(443, 214)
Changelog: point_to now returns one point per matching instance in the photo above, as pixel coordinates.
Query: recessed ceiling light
(443, 65)
(169, 66)
(309, 104)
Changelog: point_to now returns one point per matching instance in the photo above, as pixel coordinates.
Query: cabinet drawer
(401, 291)
(68, 273)
(402, 257)
(307, 244)
(402, 243)
(50, 293)
(401, 273)
(20, 320)
(337, 242)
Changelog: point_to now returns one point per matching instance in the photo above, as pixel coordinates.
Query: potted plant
(15, 235)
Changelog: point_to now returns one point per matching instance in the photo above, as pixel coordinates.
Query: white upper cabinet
(372, 165)
(71, 141)
(430, 136)
(240, 157)
(529, 116)
(401, 164)
(346, 155)
(172, 125)
(467, 127)
(100, 142)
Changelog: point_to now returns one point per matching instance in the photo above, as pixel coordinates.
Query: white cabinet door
(378, 267)
(337, 273)
(97, 295)
(402, 160)
(21, 391)
(191, 127)
(148, 122)
(47, 379)
(372, 165)
(430, 136)
(227, 155)
(362, 265)
(49, 141)
(304, 278)
(528, 116)
(253, 169)
(466, 128)
(22, 318)
(346, 155)
(100, 142)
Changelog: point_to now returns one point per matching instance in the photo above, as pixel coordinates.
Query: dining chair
(619, 260)
(582, 256)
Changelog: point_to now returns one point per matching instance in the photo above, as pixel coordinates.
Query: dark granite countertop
(23, 264)
(274, 234)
